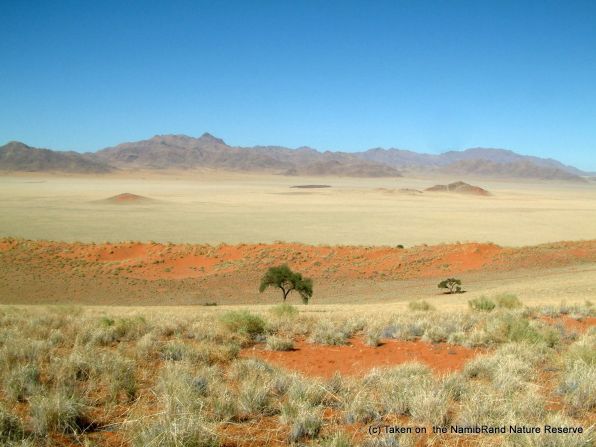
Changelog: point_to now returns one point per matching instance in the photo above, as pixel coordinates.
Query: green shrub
(243, 322)
(453, 285)
(420, 306)
(482, 304)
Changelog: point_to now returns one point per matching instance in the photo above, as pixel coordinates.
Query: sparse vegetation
(420, 306)
(184, 382)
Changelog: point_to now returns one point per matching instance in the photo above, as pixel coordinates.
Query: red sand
(357, 358)
(572, 324)
(179, 261)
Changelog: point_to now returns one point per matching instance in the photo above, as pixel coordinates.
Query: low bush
(243, 322)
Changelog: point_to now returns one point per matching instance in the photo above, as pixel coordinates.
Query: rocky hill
(183, 152)
(16, 156)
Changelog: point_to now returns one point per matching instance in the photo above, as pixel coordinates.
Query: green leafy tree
(283, 278)
(453, 285)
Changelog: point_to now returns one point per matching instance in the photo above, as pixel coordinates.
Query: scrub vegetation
(73, 376)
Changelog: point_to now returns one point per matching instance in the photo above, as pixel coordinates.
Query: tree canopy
(283, 278)
(452, 284)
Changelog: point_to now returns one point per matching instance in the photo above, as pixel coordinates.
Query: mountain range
(183, 152)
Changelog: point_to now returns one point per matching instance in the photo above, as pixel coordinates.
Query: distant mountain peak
(208, 137)
(17, 144)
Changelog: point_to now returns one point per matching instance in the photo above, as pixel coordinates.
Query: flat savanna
(208, 207)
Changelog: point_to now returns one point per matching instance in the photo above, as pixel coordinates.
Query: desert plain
(131, 316)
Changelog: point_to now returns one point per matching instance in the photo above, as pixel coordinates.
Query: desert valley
(131, 312)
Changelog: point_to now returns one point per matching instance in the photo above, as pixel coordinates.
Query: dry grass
(237, 208)
(177, 380)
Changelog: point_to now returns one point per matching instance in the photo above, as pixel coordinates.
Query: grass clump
(578, 381)
(22, 382)
(508, 301)
(482, 304)
(305, 421)
(284, 310)
(11, 428)
(243, 322)
(57, 412)
(420, 306)
(275, 343)
(175, 431)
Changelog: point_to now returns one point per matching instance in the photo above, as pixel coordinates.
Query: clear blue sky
(426, 76)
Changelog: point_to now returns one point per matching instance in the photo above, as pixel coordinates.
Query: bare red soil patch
(572, 324)
(356, 359)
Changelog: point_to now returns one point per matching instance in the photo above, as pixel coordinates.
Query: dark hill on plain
(460, 188)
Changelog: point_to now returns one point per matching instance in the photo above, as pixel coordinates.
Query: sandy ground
(135, 274)
(207, 207)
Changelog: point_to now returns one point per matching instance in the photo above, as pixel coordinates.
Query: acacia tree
(452, 284)
(286, 280)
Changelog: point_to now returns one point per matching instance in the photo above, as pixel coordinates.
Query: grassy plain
(211, 207)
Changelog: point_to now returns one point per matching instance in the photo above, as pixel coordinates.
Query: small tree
(286, 280)
(452, 284)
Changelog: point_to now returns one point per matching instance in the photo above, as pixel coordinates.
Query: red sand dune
(152, 261)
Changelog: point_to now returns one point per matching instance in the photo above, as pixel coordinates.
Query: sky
(428, 76)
